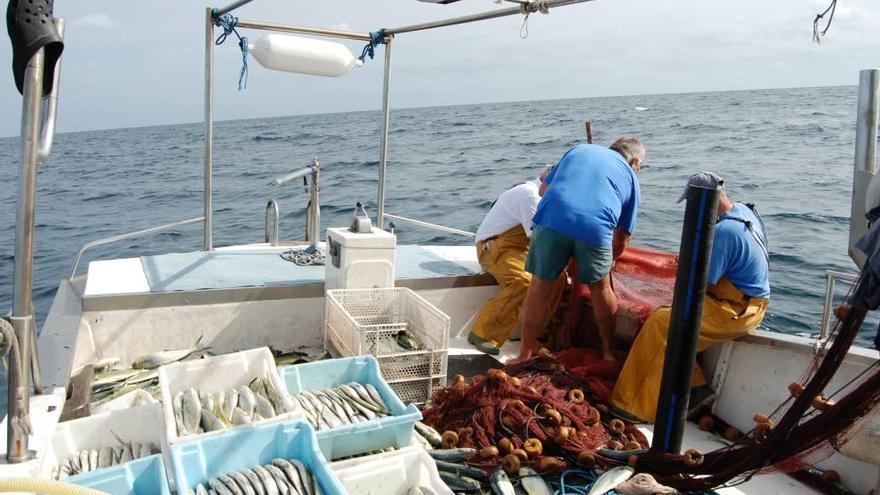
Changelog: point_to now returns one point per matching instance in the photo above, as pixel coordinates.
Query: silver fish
(291, 473)
(230, 484)
(415, 491)
(429, 434)
(156, 359)
(228, 405)
(210, 422)
(274, 396)
(258, 386)
(268, 481)
(264, 407)
(84, 461)
(254, 480)
(374, 394)
(240, 418)
(280, 479)
(610, 479)
(246, 400)
(500, 483)
(93, 459)
(201, 490)
(207, 400)
(310, 485)
(533, 483)
(243, 483)
(191, 411)
(219, 487)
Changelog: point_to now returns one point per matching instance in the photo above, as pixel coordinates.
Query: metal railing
(271, 230)
(130, 235)
(432, 226)
(831, 278)
(313, 215)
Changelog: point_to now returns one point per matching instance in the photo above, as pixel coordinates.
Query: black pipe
(697, 234)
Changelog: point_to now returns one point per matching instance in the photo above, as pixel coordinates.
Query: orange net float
(693, 458)
(586, 459)
(576, 396)
(533, 447)
(489, 452)
(511, 464)
(822, 403)
(617, 425)
(796, 389)
(449, 439)
(520, 454)
(551, 465)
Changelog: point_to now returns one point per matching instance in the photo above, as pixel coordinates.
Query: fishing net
(805, 429)
(551, 398)
(643, 280)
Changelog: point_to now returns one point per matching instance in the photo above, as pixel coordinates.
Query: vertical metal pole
(865, 156)
(22, 315)
(209, 130)
(383, 139)
(314, 213)
(697, 235)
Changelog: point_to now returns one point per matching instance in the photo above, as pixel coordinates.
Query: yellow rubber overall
(504, 258)
(727, 314)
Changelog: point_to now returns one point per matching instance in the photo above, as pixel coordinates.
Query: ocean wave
(103, 196)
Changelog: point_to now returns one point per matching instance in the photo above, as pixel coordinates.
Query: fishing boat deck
(261, 266)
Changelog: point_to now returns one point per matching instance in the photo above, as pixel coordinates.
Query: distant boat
(640, 109)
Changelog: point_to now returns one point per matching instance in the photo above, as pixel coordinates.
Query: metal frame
(313, 215)
(831, 278)
(273, 214)
(129, 235)
(429, 225)
(864, 165)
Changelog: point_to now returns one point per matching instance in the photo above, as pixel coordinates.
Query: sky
(130, 64)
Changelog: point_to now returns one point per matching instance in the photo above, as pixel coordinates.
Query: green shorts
(550, 251)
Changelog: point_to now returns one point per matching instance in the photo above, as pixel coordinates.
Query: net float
(761, 430)
(615, 445)
(531, 390)
(760, 418)
(533, 447)
(561, 435)
(521, 454)
(508, 421)
(617, 425)
(822, 403)
(449, 439)
(489, 452)
(796, 389)
(511, 464)
(550, 465)
(706, 423)
(592, 417)
(458, 379)
(732, 434)
(631, 445)
(830, 476)
(586, 459)
(544, 352)
(505, 446)
(576, 396)
(693, 458)
(515, 381)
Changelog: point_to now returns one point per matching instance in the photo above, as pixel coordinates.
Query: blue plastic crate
(393, 431)
(144, 476)
(197, 461)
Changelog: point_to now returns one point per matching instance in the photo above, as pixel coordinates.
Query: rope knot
(376, 38)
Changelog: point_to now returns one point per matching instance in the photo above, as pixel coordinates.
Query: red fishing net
(643, 280)
(548, 398)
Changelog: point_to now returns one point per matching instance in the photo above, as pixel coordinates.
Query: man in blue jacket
(588, 213)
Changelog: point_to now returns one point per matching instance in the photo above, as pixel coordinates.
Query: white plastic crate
(367, 321)
(391, 473)
(216, 373)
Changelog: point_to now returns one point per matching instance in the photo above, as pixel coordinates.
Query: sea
(789, 151)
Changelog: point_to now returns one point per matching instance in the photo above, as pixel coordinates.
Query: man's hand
(619, 242)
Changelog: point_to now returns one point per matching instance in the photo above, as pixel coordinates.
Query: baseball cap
(702, 179)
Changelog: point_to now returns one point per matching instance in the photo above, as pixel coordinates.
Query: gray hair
(629, 147)
(548, 167)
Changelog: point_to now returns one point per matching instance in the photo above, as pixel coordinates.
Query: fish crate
(368, 322)
(220, 373)
(391, 431)
(391, 473)
(142, 424)
(199, 460)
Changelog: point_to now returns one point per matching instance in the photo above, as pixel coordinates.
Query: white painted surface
(122, 276)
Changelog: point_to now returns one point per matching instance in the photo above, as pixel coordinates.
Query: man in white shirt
(502, 245)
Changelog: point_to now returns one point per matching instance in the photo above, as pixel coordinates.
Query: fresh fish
(456, 483)
(429, 434)
(254, 480)
(291, 473)
(264, 407)
(230, 484)
(310, 484)
(113, 377)
(274, 395)
(610, 479)
(280, 479)
(452, 455)
(349, 409)
(243, 483)
(125, 454)
(105, 457)
(246, 400)
(103, 365)
(460, 469)
(229, 402)
(239, 417)
(84, 461)
(209, 422)
(415, 491)
(207, 401)
(93, 459)
(500, 483)
(219, 487)
(407, 341)
(374, 394)
(156, 359)
(533, 483)
(258, 386)
(201, 490)
(268, 481)
(191, 410)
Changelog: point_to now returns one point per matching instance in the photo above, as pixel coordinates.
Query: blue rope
(376, 38)
(228, 22)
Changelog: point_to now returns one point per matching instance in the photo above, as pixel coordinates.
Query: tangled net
(551, 399)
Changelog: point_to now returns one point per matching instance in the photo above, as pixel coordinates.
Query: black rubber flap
(30, 28)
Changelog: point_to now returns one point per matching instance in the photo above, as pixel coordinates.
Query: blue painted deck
(226, 269)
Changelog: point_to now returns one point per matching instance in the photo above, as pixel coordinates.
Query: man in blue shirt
(588, 213)
(737, 296)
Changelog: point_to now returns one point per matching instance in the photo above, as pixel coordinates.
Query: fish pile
(282, 477)
(92, 459)
(111, 382)
(200, 412)
(344, 405)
